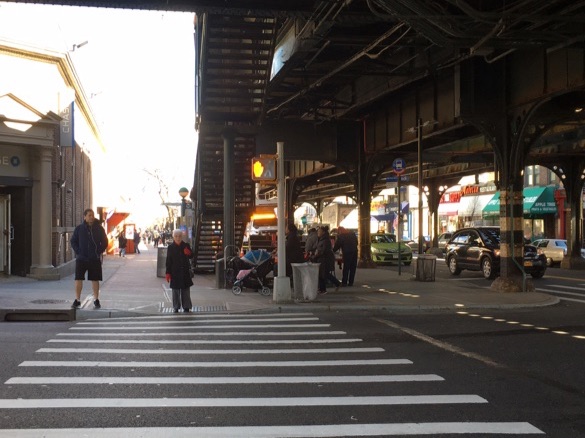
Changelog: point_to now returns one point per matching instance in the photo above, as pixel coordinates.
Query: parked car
(385, 249)
(478, 249)
(553, 249)
(414, 243)
(442, 241)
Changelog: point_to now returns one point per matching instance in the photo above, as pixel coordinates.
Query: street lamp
(183, 191)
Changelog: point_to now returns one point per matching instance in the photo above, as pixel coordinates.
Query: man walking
(89, 241)
(136, 241)
(348, 243)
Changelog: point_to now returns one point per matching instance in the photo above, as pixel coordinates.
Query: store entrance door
(6, 234)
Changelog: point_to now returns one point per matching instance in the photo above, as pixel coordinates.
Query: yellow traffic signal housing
(264, 168)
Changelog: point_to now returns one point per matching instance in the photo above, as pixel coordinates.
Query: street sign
(399, 166)
(264, 168)
(403, 178)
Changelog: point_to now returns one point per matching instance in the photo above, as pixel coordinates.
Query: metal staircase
(235, 57)
(208, 233)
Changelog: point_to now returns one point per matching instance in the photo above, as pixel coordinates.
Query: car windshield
(491, 236)
(384, 238)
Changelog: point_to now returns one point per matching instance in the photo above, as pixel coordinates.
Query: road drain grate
(198, 309)
(49, 301)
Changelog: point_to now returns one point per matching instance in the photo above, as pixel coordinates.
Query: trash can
(219, 274)
(161, 262)
(425, 267)
(305, 281)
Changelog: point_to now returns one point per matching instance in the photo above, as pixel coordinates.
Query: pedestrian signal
(264, 168)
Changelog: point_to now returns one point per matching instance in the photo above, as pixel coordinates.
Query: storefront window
(533, 229)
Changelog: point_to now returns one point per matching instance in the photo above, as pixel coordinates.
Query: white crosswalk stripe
(344, 375)
(564, 292)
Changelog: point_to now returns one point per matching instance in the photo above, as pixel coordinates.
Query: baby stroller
(250, 271)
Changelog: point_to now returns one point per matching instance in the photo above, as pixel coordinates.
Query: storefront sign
(66, 138)
(13, 161)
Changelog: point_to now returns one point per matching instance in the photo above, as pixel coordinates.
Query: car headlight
(497, 252)
(375, 249)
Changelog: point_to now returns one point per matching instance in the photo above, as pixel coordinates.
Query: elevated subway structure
(342, 84)
(350, 79)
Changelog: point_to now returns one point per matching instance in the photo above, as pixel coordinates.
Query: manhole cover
(48, 301)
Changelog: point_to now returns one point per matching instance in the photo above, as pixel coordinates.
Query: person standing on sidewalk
(178, 273)
(136, 241)
(122, 242)
(325, 256)
(89, 241)
(348, 243)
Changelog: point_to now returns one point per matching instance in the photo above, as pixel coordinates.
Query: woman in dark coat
(178, 273)
(294, 252)
(324, 255)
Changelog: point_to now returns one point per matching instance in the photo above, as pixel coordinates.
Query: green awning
(492, 208)
(537, 201)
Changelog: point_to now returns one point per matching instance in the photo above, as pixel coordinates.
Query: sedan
(442, 241)
(414, 244)
(478, 249)
(553, 249)
(385, 249)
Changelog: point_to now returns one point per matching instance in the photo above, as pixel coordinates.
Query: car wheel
(537, 274)
(453, 268)
(549, 262)
(487, 268)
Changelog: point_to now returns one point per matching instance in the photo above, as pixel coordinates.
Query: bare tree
(163, 192)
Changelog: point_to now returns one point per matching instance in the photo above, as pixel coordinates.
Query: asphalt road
(323, 374)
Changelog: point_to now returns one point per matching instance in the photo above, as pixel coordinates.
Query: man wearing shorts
(89, 241)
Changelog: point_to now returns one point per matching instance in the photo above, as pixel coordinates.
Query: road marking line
(244, 326)
(567, 287)
(239, 402)
(560, 297)
(182, 334)
(213, 342)
(440, 344)
(198, 352)
(256, 380)
(192, 317)
(271, 364)
(196, 323)
(554, 291)
(312, 431)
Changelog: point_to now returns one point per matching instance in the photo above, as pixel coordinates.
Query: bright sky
(137, 68)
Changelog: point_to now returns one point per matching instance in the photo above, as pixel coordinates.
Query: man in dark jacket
(178, 273)
(348, 243)
(136, 241)
(324, 255)
(89, 241)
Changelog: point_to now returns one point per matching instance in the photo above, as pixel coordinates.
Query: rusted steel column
(573, 182)
(511, 234)
(364, 195)
(229, 209)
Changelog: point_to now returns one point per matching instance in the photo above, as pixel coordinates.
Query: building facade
(47, 134)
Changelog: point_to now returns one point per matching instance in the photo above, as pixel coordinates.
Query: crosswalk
(564, 292)
(222, 375)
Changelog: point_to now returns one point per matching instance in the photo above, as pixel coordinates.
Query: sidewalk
(131, 287)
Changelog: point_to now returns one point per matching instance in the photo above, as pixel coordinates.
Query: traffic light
(264, 168)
